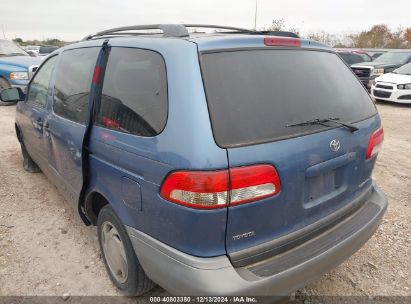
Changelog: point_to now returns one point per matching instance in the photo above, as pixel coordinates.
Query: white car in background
(394, 86)
(32, 49)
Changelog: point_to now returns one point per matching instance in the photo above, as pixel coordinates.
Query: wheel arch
(5, 79)
(92, 205)
(18, 133)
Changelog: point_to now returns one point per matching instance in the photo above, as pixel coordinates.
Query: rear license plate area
(323, 187)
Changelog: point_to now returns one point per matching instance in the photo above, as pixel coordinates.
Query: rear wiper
(323, 122)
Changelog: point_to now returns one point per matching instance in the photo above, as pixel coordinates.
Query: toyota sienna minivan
(231, 162)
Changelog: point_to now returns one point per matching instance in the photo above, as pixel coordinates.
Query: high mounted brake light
(375, 143)
(218, 189)
(282, 41)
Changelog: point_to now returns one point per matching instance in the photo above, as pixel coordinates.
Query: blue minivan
(230, 162)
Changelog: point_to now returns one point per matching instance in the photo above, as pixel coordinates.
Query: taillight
(375, 143)
(197, 189)
(253, 183)
(282, 41)
(218, 189)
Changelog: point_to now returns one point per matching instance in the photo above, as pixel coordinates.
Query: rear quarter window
(254, 94)
(134, 96)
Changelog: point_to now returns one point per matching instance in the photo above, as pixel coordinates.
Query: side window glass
(73, 82)
(39, 87)
(134, 96)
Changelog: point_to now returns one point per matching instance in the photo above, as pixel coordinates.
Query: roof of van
(223, 37)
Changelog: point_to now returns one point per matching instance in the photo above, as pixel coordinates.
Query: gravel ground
(46, 250)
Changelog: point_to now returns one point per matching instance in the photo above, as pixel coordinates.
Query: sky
(71, 20)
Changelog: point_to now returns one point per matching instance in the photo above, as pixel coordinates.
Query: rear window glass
(254, 95)
(352, 58)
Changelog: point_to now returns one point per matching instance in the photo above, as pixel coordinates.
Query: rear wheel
(28, 163)
(119, 258)
(4, 84)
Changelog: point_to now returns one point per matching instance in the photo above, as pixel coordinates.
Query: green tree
(407, 37)
(324, 37)
(54, 41)
(18, 40)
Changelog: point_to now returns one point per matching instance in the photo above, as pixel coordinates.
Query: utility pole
(255, 16)
(4, 33)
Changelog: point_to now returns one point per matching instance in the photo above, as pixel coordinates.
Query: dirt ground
(46, 250)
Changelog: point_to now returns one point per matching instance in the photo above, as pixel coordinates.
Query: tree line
(379, 36)
(53, 42)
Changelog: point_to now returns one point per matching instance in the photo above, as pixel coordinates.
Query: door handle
(46, 129)
(38, 123)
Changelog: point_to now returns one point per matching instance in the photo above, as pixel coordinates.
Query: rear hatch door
(255, 99)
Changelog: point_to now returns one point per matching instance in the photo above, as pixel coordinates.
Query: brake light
(253, 183)
(197, 189)
(218, 189)
(375, 143)
(282, 41)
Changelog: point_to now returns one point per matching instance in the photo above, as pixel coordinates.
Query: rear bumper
(183, 274)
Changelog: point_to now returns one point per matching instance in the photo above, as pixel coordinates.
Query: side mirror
(12, 95)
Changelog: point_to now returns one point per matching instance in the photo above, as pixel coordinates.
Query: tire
(28, 163)
(131, 279)
(5, 85)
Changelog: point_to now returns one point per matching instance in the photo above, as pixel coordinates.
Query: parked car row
(354, 56)
(16, 66)
(40, 50)
(386, 75)
(204, 168)
(367, 72)
(394, 86)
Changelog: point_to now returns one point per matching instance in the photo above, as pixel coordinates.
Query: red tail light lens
(253, 183)
(197, 189)
(375, 143)
(218, 189)
(282, 41)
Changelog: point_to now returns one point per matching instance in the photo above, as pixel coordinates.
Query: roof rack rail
(169, 30)
(178, 30)
(218, 27)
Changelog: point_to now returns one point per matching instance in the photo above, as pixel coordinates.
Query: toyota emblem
(335, 145)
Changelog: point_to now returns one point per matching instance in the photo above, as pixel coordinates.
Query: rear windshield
(254, 95)
(393, 57)
(352, 58)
